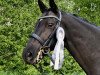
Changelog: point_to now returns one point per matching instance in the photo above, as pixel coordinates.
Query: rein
(46, 45)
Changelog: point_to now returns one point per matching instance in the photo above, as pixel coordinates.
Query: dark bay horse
(82, 39)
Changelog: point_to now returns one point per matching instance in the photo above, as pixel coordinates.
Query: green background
(17, 21)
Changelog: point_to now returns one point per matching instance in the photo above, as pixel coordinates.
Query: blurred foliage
(17, 20)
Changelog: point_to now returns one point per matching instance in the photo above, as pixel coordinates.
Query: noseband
(47, 43)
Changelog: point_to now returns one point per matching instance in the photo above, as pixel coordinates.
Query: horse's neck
(83, 42)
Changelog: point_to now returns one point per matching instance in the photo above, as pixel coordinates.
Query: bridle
(47, 43)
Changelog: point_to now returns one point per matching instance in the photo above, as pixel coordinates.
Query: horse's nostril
(29, 54)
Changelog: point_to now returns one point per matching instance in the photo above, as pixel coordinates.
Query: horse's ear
(42, 7)
(53, 6)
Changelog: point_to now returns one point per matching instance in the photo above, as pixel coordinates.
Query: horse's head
(44, 34)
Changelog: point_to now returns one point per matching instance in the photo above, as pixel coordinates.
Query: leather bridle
(47, 43)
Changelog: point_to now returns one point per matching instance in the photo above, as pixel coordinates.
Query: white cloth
(58, 54)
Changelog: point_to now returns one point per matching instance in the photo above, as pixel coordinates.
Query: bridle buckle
(45, 49)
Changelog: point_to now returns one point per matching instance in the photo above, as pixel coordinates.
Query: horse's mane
(85, 20)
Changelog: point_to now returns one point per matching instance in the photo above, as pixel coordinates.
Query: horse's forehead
(51, 13)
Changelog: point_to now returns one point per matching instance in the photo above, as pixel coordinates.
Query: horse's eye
(50, 25)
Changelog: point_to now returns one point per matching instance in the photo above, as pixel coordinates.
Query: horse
(82, 39)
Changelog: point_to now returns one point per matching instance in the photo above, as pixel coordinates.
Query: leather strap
(37, 38)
